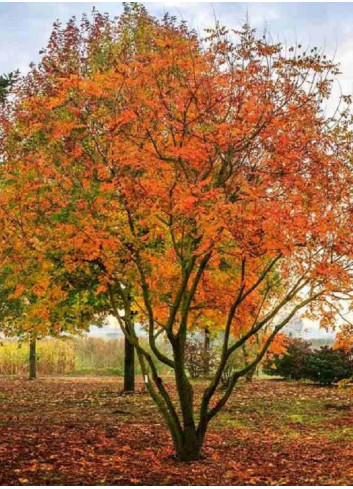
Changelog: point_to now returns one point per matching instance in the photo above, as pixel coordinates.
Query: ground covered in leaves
(83, 431)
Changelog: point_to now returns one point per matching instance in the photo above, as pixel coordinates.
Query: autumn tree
(27, 310)
(344, 337)
(199, 179)
(63, 59)
(29, 314)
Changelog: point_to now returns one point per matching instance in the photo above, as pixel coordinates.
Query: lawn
(77, 431)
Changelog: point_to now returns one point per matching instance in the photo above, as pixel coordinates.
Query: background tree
(28, 313)
(63, 58)
(6, 83)
(200, 179)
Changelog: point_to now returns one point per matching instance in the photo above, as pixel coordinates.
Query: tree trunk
(32, 357)
(129, 367)
(190, 448)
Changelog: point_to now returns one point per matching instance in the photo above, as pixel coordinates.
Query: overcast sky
(25, 27)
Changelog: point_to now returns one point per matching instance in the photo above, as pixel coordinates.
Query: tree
(63, 61)
(200, 179)
(344, 338)
(6, 83)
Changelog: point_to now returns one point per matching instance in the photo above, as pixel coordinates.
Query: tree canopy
(198, 178)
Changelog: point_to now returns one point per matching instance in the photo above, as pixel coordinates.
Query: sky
(25, 29)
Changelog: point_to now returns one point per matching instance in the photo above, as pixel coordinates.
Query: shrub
(200, 361)
(234, 363)
(327, 365)
(291, 364)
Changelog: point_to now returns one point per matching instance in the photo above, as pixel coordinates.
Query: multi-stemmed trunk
(187, 435)
(188, 447)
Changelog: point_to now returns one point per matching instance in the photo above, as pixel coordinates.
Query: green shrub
(325, 366)
(291, 364)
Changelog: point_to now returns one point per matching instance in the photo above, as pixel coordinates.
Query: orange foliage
(174, 154)
(279, 344)
(202, 178)
(162, 157)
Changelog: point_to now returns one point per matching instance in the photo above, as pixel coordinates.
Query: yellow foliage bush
(66, 356)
